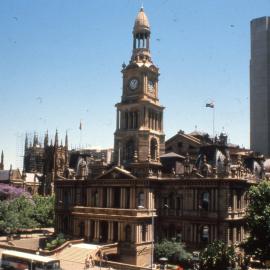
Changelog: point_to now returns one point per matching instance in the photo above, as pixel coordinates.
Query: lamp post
(153, 234)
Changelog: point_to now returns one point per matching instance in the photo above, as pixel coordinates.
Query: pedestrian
(91, 264)
(86, 263)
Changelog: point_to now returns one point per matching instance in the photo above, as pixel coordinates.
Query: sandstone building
(147, 194)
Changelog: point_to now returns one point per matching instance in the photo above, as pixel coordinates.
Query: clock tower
(139, 137)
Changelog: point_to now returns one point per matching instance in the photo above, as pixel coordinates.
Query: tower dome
(141, 38)
(141, 24)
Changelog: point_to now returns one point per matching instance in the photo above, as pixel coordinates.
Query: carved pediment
(116, 173)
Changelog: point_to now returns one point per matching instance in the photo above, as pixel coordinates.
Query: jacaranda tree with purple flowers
(18, 210)
(8, 192)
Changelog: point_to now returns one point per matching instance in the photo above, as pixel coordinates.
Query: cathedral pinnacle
(2, 161)
(46, 139)
(56, 138)
(66, 140)
(26, 141)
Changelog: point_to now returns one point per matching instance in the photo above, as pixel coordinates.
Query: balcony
(111, 212)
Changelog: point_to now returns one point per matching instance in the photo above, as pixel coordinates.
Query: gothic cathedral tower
(139, 137)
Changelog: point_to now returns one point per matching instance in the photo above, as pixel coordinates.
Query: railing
(110, 248)
(112, 211)
(236, 214)
(41, 252)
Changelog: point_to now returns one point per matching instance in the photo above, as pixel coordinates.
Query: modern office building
(260, 86)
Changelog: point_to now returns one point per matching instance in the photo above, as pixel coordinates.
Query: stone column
(97, 231)
(110, 231)
(87, 229)
(151, 202)
(228, 236)
(120, 231)
(132, 198)
(138, 233)
(234, 201)
(109, 198)
(123, 198)
(234, 235)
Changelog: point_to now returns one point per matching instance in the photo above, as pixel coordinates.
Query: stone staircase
(77, 253)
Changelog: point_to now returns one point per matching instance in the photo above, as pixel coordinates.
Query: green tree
(16, 214)
(173, 250)
(258, 221)
(44, 210)
(217, 256)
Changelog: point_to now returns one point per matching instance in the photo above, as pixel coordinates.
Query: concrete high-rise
(260, 86)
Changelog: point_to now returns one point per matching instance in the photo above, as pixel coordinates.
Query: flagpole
(80, 128)
(212, 106)
(213, 122)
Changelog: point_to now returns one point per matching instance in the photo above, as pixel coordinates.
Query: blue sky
(60, 62)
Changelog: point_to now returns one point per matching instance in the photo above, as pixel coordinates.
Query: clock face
(133, 84)
(151, 86)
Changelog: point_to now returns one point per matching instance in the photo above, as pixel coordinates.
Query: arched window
(153, 149)
(129, 150)
(205, 201)
(205, 234)
(141, 199)
(128, 233)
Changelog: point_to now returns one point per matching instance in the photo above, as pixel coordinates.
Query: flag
(210, 105)
(80, 127)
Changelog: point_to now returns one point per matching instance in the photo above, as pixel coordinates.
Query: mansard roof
(116, 173)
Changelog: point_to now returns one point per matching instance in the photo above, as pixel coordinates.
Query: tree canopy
(173, 250)
(24, 212)
(217, 256)
(258, 221)
(16, 214)
(44, 210)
